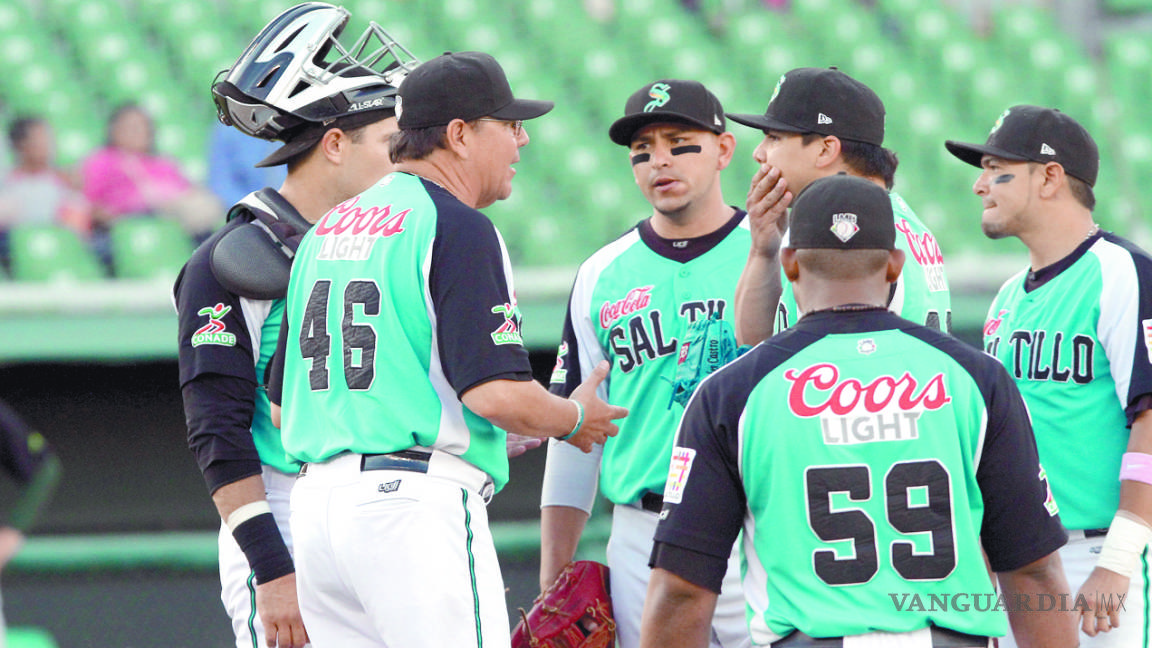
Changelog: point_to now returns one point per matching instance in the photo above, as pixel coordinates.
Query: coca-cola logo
(840, 397)
(348, 218)
(925, 249)
(993, 325)
(636, 299)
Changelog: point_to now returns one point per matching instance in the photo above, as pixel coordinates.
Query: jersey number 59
(933, 517)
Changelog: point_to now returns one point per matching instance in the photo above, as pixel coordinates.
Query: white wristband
(1126, 541)
(246, 512)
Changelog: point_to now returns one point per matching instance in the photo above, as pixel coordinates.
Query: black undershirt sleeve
(219, 412)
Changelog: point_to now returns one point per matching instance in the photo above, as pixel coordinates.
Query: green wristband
(579, 421)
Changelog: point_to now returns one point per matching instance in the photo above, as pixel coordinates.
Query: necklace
(1092, 231)
(849, 308)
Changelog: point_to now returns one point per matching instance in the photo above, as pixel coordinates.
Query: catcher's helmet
(296, 72)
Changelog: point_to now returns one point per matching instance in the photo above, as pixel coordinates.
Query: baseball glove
(709, 344)
(574, 612)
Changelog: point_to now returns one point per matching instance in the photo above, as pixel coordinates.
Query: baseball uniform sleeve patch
(509, 331)
(678, 472)
(1147, 325)
(213, 332)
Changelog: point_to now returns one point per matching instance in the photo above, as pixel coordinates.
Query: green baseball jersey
(869, 460)
(1077, 338)
(631, 304)
(920, 294)
(400, 300)
(267, 436)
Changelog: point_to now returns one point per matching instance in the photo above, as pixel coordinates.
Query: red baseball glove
(574, 612)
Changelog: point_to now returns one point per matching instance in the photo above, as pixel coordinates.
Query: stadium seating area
(73, 60)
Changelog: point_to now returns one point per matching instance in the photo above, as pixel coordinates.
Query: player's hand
(598, 415)
(518, 444)
(280, 613)
(1103, 592)
(767, 204)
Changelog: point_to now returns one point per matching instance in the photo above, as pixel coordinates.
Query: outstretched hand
(598, 415)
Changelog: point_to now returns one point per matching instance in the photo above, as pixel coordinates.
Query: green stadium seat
(29, 637)
(50, 253)
(148, 248)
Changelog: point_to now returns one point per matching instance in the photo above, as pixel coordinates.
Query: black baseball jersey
(864, 456)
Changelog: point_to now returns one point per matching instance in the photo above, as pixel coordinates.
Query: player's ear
(726, 147)
(1053, 178)
(829, 152)
(895, 265)
(456, 137)
(333, 144)
(789, 264)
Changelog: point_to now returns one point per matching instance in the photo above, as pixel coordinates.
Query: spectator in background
(232, 170)
(127, 178)
(35, 190)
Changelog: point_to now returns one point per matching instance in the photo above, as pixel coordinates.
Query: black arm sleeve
(219, 411)
(1020, 523)
(477, 317)
(695, 535)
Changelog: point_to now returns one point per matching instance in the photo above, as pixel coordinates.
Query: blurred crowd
(123, 181)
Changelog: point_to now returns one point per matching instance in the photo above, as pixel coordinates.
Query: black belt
(941, 638)
(652, 502)
(410, 460)
(1095, 533)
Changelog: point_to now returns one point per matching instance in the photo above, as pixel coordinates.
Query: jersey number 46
(359, 340)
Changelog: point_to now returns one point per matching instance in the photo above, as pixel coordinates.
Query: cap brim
(764, 122)
(523, 109)
(289, 151)
(624, 129)
(974, 153)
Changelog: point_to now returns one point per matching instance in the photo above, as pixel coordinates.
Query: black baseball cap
(842, 212)
(824, 101)
(668, 100)
(302, 138)
(1037, 134)
(461, 85)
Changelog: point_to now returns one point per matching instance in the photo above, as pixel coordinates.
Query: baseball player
(29, 461)
(821, 122)
(334, 122)
(868, 461)
(404, 363)
(1074, 330)
(632, 304)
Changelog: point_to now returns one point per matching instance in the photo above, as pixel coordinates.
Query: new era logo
(1046, 150)
(821, 118)
(716, 120)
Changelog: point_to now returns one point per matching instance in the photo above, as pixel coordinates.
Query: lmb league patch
(678, 472)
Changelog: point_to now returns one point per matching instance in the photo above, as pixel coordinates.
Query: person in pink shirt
(127, 178)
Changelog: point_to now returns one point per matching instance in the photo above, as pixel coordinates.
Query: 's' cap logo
(999, 121)
(776, 91)
(659, 94)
